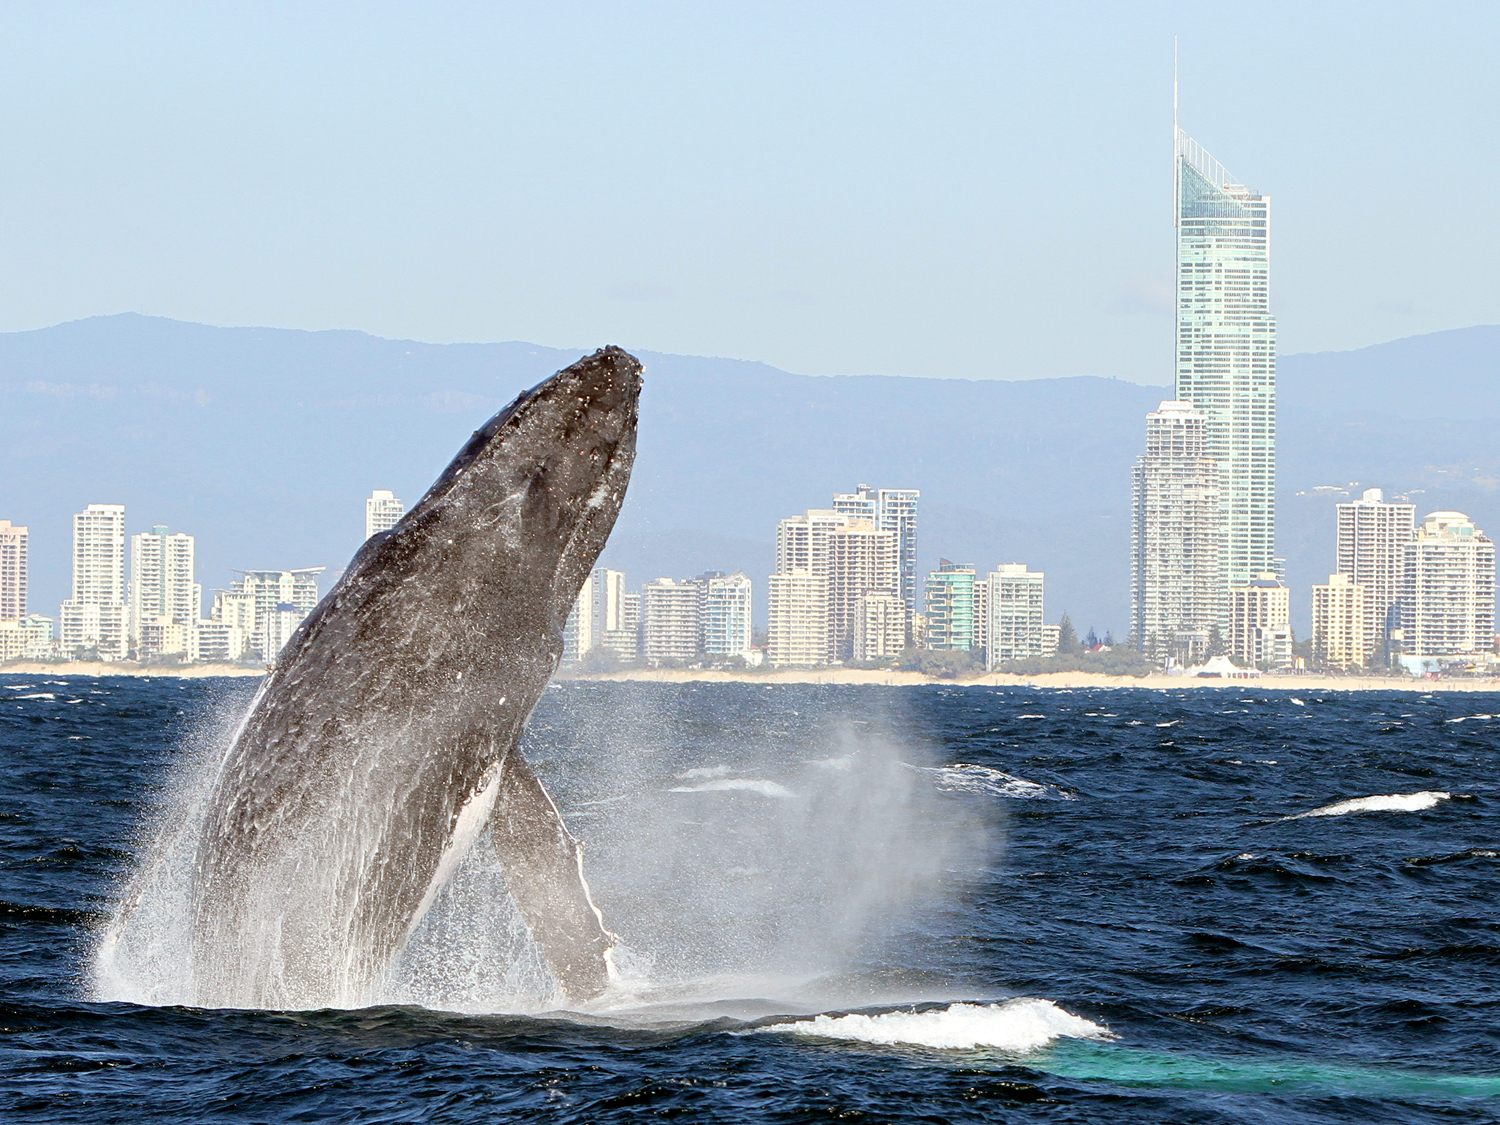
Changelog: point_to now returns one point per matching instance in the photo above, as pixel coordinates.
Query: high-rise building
(614, 628)
(13, 581)
(1340, 623)
(880, 625)
(1176, 535)
(382, 511)
(97, 616)
(1260, 631)
(861, 560)
(272, 591)
(669, 620)
(578, 630)
(162, 584)
(799, 626)
(1372, 539)
(949, 603)
(1447, 589)
(1016, 629)
(1226, 348)
(893, 510)
(802, 541)
(724, 614)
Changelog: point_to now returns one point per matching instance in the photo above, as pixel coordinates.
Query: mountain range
(263, 443)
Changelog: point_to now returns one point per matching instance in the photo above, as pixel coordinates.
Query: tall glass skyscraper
(1226, 348)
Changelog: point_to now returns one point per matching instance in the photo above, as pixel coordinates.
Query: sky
(956, 190)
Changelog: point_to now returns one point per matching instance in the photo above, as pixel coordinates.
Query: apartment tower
(96, 616)
(1177, 590)
(1226, 348)
(1372, 539)
(1447, 595)
(13, 581)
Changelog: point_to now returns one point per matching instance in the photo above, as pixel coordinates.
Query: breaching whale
(383, 742)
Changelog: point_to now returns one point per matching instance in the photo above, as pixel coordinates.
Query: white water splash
(967, 778)
(730, 784)
(1389, 802)
(1019, 1026)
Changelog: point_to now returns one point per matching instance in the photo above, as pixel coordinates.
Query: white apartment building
(802, 541)
(1340, 623)
(862, 560)
(893, 510)
(14, 548)
(271, 592)
(880, 623)
(1447, 589)
(799, 627)
(1226, 348)
(1016, 630)
(578, 630)
(162, 585)
(669, 620)
(1260, 614)
(97, 616)
(1372, 539)
(382, 511)
(1176, 537)
(221, 642)
(30, 636)
(724, 614)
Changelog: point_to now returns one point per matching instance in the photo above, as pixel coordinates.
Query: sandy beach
(1045, 680)
(1310, 682)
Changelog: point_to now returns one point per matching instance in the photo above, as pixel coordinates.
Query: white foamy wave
(1020, 1026)
(748, 784)
(1389, 802)
(967, 778)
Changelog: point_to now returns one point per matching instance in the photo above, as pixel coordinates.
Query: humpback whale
(383, 741)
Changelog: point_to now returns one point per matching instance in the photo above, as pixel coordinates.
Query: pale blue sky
(907, 189)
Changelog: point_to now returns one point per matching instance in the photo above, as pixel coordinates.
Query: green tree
(1067, 639)
(1216, 645)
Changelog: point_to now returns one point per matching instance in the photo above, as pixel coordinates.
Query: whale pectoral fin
(543, 867)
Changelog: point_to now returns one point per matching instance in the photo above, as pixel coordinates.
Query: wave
(1020, 1026)
(748, 784)
(1388, 802)
(966, 778)
(705, 771)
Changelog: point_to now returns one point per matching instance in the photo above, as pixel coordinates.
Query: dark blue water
(1130, 867)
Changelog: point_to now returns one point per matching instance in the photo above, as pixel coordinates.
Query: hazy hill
(264, 442)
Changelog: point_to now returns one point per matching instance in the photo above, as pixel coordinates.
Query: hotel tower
(1226, 348)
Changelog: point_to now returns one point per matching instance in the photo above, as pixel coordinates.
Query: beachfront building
(724, 613)
(1016, 630)
(949, 607)
(1340, 624)
(880, 625)
(14, 549)
(382, 511)
(1447, 599)
(1226, 348)
(669, 621)
(799, 631)
(1260, 631)
(27, 637)
(97, 616)
(1176, 538)
(1372, 539)
(163, 591)
(862, 560)
(578, 630)
(893, 510)
(281, 599)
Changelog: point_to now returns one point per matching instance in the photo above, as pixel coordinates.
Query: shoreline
(837, 676)
(857, 676)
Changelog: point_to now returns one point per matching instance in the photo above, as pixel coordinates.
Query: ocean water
(851, 904)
